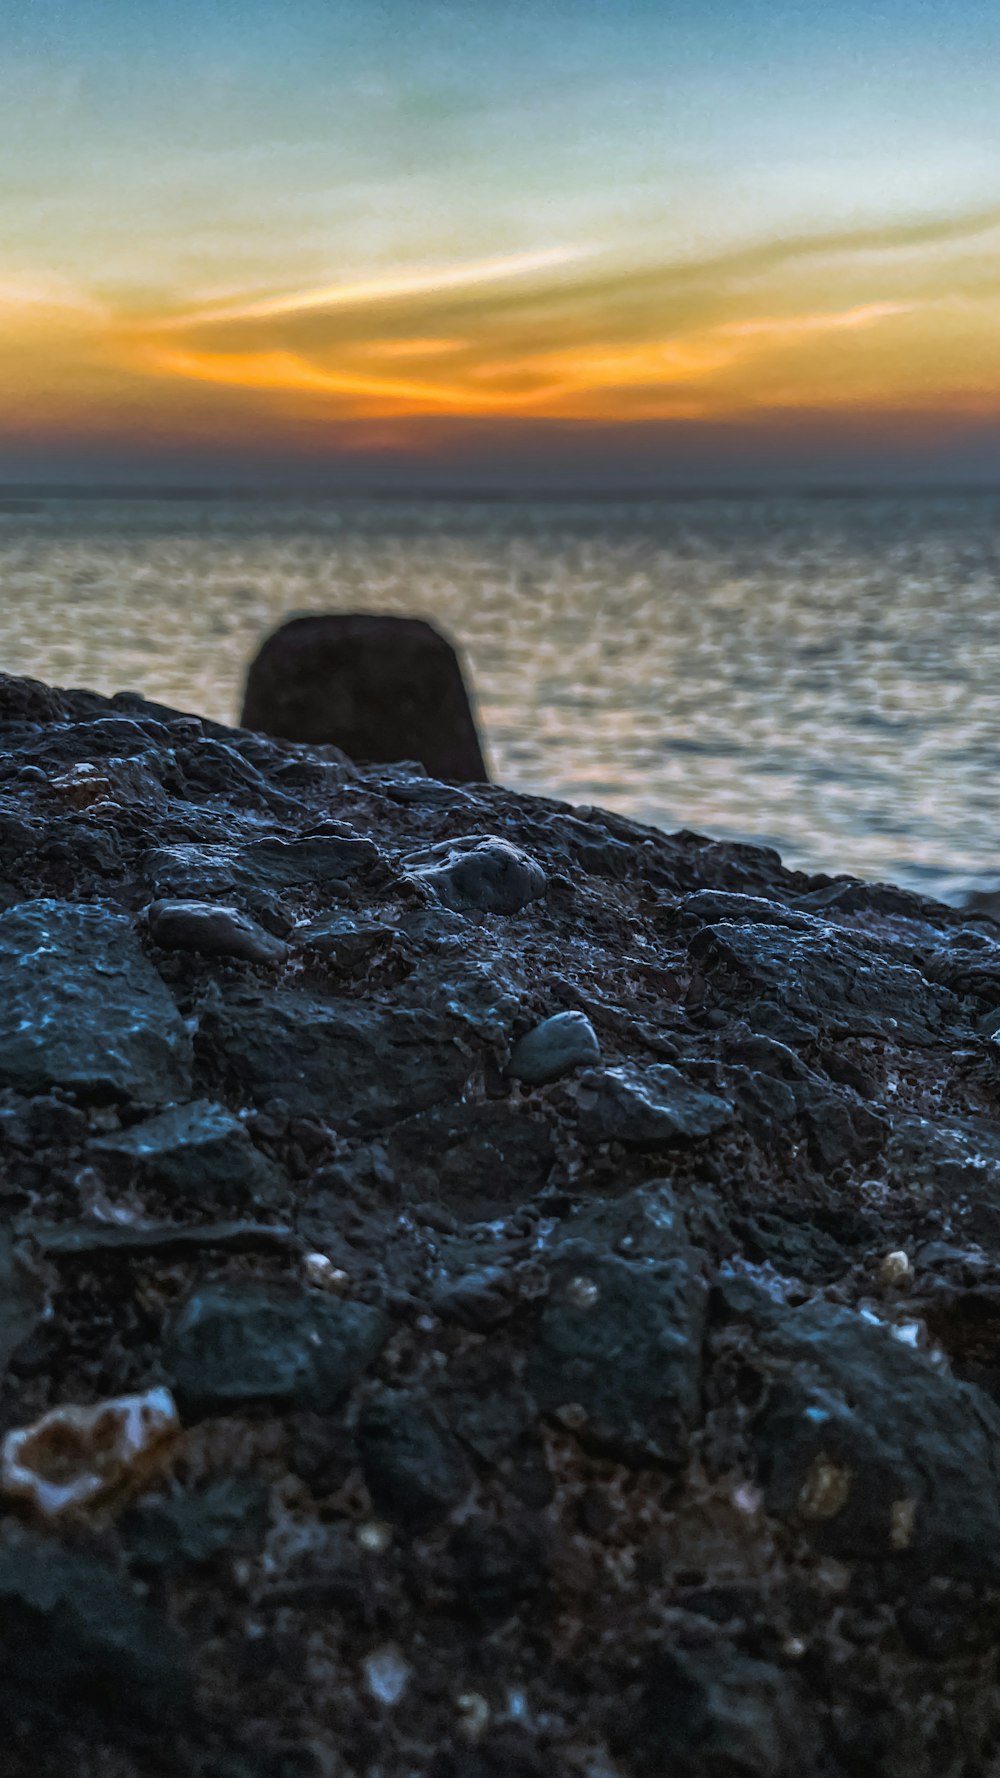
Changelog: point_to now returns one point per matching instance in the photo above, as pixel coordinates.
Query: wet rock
(382, 688)
(478, 1300)
(81, 1007)
(867, 1443)
(413, 1468)
(488, 876)
(233, 1344)
(823, 979)
(621, 1341)
(650, 1107)
(559, 1044)
(213, 930)
(198, 1151)
(347, 1064)
(322, 859)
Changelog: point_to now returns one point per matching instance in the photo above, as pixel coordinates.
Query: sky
(500, 243)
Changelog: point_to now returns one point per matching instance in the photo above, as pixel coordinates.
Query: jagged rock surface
(559, 1418)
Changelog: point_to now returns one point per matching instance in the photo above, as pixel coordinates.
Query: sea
(816, 673)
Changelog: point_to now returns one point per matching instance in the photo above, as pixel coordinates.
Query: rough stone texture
(81, 1007)
(585, 1417)
(382, 688)
(236, 1343)
(197, 1151)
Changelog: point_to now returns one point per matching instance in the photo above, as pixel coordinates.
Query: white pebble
(387, 1674)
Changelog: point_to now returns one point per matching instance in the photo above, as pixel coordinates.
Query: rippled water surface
(820, 674)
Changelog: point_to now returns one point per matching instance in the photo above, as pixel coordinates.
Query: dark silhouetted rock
(382, 688)
(646, 1423)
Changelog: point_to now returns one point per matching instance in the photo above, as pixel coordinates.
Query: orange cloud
(879, 321)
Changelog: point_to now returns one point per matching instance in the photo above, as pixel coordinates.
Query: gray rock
(822, 979)
(81, 1007)
(488, 876)
(246, 1341)
(315, 858)
(555, 1047)
(647, 1107)
(413, 1468)
(343, 1063)
(621, 1340)
(346, 941)
(22, 1298)
(867, 1443)
(196, 1151)
(99, 1647)
(214, 930)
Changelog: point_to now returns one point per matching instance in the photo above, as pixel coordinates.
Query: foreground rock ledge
(642, 1421)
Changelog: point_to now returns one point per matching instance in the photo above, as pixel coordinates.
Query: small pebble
(825, 1491)
(474, 1711)
(895, 1271)
(321, 1271)
(554, 1048)
(387, 1674)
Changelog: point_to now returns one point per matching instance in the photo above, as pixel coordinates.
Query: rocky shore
(488, 1290)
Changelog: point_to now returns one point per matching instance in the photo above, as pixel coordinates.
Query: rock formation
(565, 1258)
(382, 688)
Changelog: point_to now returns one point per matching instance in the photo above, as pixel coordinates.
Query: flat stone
(348, 1064)
(646, 1107)
(213, 930)
(621, 1341)
(196, 1151)
(82, 1007)
(489, 876)
(241, 1342)
(555, 1047)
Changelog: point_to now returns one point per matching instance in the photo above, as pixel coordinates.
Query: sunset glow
(287, 256)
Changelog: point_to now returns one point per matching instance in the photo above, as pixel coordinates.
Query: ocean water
(817, 674)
